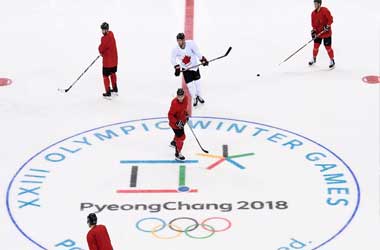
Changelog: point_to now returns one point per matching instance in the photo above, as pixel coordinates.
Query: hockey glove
(204, 61)
(313, 34)
(326, 28)
(180, 124)
(177, 70)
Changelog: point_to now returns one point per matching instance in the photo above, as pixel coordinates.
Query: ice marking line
(35, 176)
(225, 150)
(235, 163)
(31, 181)
(25, 190)
(182, 175)
(139, 191)
(216, 163)
(189, 34)
(211, 156)
(157, 161)
(133, 182)
(5, 81)
(26, 235)
(226, 157)
(27, 203)
(241, 155)
(39, 170)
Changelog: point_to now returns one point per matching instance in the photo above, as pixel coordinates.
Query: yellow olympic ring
(154, 233)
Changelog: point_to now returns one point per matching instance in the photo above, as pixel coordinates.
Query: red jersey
(98, 238)
(108, 50)
(177, 112)
(321, 18)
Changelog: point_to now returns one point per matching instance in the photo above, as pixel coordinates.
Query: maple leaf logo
(186, 59)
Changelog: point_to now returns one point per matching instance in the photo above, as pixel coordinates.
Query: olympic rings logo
(186, 225)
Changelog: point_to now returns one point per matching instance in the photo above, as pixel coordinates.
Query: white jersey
(186, 57)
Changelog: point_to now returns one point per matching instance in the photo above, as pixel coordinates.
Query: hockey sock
(106, 81)
(179, 142)
(330, 52)
(315, 49)
(113, 81)
(197, 88)
(192, 89)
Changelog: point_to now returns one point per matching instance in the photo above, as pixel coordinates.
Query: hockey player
(108, 51)
(97, 237)
(178, 117)
(185, 55)
(321, 20)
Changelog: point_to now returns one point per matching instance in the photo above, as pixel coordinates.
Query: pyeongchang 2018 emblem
(265, 186)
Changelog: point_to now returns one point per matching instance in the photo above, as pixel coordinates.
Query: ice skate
(179, 157)
(332, 64)
(200, 99)
(312, 61)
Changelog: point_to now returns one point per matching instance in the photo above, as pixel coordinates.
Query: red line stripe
(189, 33)
(189, 19)
(215, 164)
(139, 191)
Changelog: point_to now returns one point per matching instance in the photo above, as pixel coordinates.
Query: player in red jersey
(97, 237)
(178, 117)
(108, 51)
(321, 20)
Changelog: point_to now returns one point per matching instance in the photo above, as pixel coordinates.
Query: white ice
(45, 45)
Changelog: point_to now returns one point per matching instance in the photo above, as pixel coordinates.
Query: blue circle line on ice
(199, 117)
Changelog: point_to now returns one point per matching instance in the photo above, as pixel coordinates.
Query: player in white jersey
(186, 55)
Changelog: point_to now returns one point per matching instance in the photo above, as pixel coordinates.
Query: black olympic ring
(192, 227)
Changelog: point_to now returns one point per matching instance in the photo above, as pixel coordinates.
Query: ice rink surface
(294, 154)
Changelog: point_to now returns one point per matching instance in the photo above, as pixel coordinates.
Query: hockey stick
(204, 150)
(65, 90)
(214, 59)
(320, 33)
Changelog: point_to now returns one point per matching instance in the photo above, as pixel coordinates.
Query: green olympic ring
(200, 237)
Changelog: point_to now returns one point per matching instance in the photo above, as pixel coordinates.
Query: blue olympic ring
(151, 218)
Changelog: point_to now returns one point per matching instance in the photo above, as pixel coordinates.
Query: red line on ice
(189, 32)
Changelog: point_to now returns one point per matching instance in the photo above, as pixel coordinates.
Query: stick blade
(63, 90)
(228, 51)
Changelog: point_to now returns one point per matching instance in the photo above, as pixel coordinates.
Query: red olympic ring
(229, 224)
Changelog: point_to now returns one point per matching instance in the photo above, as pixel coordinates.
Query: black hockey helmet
(318, 1)
(180, 92)
(180, 36)
(105, 26)
(92, 219)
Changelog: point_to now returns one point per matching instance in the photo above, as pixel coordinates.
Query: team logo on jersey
(186, 59)
(271, 188)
